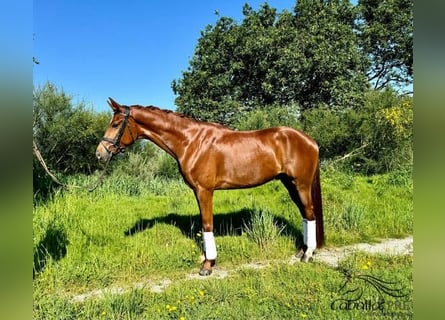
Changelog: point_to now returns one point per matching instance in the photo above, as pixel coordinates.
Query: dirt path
(329, 256)
(332, 256)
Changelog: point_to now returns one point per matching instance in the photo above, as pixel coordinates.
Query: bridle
(116, 142)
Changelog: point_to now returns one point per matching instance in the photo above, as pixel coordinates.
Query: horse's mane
(180, 115)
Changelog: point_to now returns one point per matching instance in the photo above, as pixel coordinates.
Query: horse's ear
(113, 104)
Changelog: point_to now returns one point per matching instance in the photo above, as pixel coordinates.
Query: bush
(376, 138)
(387, 130)
(272, 117)
(140, 160)
(66, 136)
(145, 161)
(332, 129)
(167, 167)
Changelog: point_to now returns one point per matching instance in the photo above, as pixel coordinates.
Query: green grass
(280, 291)
(131, 229)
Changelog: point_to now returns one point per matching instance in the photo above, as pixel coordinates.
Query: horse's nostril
(97, 155)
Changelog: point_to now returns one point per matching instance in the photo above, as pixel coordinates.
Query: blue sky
(128, 50)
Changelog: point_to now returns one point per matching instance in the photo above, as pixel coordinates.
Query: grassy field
(132, 230)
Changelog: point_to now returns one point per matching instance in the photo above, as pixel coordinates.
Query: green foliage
(66, 135)
(333, 66)
(140, 160)
(387, 130)
(304, 68)
(332, 129)
(145, 162)
(272, 117)
(129, 306)
(167, 167)
(374, 138)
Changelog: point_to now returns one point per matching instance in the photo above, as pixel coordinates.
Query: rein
(90, 188)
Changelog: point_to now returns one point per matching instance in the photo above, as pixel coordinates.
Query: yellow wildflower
(367, 265)
(171, 308)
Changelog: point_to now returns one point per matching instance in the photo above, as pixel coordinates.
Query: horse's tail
(318, 207)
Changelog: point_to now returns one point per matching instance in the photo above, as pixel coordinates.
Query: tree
(386, 33)
(308, 58)
(333, 68)
(205, 90)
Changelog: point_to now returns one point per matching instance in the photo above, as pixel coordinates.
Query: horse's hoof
(306, 259)
(205, 272)
(300, 254)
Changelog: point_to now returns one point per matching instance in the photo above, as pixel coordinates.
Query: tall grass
(262, 228)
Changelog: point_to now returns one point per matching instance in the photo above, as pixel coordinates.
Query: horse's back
(234, 159)
(286, 139)
(265, 145)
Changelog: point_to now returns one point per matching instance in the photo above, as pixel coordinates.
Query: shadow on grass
(53, 245)
(225, 224)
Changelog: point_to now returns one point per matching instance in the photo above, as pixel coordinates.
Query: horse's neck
(163, 129)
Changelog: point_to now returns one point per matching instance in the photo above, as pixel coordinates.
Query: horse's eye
(115, 125)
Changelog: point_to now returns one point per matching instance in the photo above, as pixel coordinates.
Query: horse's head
(120, 133)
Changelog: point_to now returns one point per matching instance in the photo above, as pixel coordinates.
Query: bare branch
(350, 154)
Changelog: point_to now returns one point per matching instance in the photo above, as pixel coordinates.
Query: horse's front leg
(205, 202)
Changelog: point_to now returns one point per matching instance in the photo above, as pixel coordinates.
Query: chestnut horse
(213, 157)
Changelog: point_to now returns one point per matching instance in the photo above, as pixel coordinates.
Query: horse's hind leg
(309, 224)
(300, 193)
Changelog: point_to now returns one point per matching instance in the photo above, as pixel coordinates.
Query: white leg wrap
(209, 245)
(309, 234)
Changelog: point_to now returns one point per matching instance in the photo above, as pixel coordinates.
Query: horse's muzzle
(102, 154)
